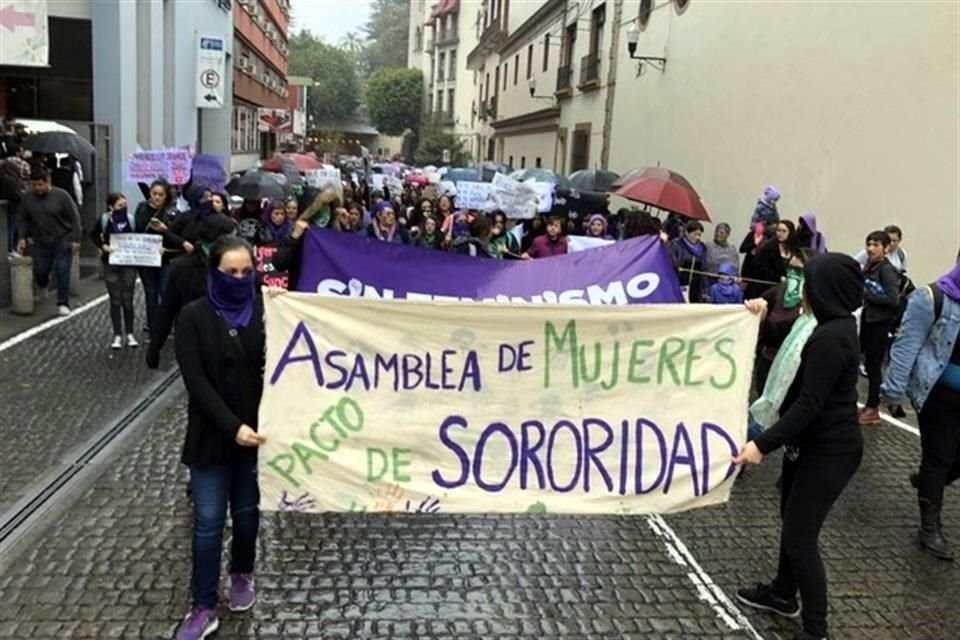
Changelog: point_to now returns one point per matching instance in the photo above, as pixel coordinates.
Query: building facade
(441, 35)
(261, 117)
(298, 88)
(839, 106)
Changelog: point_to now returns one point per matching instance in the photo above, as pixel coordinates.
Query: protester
(430, 236)
(719, 250)
(536, 229)
(807, 234)
(766, 209)
(289, 255)
(220, 348)
(751, 246)
(925, 367)
(120, 280)
(274, 225)
(49, 220)
(896, 255)
(689, 257)
(248, 218)
(824, 445)
(341, 220)
(477, 244)
(12, 188)
(726, 290)
(503, 243)
(292, 208)
(552, 243)
(384, 225)
(597, 227)
(185, 227)
(638, 223)
(356, 218)
(881, 300)
(187, 282)
(772, 258)
(219, 203)
(65, 174)
(155, 216)
(422, 210)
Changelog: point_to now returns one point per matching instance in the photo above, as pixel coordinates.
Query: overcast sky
(330, 19)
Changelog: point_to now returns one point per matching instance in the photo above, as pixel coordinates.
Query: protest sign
(518, 200)
(639, 270)
(323, 178)
(170, 164)
(412, 407)
(472, 195)
(271, 277)
(544, 193)
(394, 184)
(207, 172)
(136, 249)
(447, 188)
(376, 181)
(582, 243)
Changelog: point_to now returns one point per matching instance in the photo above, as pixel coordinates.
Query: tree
(434, 141)
(336, 94)
(388, 32)
(356, 49)
(394, 99)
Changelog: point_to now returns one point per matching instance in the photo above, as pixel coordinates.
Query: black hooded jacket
(819, 413)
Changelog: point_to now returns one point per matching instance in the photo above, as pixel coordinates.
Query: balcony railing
(449, 119)
(492, 108)
(589, 70)
(440, 76)
(564, 76)
(447, 38)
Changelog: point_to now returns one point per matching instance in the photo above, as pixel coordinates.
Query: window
(646, 8)
(596, 28)
(450, 102)
(244, 136)
(487, 83)
(516, 69)
(569, 40)
(523, 162)
(439, 108)
(496, 81)
(529, 61)
(506, 74)
(418, 40)
(511, 161)
(441, 66)
(546, 52)
(580, 153)
(539, 163)
(453, 65)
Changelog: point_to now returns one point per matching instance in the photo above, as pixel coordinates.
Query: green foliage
(337, 92)
(388, 32)
(434, 140)
(394, 99)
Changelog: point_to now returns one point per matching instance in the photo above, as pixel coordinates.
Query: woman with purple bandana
(385, 227)
(925, 367)
(274, 225)
(220, 349)
(766, 209)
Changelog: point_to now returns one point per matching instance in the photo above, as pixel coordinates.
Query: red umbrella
(650, 172)
(667, 195)
(417, 179)
(301, 161)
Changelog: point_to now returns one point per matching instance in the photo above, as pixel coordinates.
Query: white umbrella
(41, 126)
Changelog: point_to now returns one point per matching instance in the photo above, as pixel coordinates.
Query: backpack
(105, 221)
(937, 296)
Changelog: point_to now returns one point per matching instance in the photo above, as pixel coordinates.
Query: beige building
(851, 109)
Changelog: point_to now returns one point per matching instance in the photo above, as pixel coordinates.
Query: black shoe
(803, 635)
(931, 532)
(763, 597)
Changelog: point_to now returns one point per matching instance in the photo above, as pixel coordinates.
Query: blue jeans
(213, 487)
(53, 255)
(154, 280)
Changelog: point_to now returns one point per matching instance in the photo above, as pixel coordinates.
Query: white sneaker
(63, 310)
(131, 341)
(117, 343)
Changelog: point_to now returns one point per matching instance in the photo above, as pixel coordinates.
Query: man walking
(50, 220)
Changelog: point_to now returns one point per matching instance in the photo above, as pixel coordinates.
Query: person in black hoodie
(187, 282)
(290, 252)
(824, 444)
(220, 348)
(881, 302)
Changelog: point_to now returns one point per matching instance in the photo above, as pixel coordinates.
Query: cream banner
(375, 405)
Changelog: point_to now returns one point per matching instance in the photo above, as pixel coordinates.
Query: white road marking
(909, 428)
(707, 590)
(32, 331)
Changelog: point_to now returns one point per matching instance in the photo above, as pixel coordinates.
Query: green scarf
(205, 247)
(793, 294)
(766, 409)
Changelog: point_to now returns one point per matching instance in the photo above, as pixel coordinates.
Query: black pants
(761, 373)
(940, 442)
(811, 485)
(874, 339)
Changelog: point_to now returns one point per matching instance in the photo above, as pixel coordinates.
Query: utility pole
(611, 84)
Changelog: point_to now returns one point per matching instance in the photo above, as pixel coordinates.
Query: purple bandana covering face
(233, 298)
(698, 249)
(119, 220)
(949, 283)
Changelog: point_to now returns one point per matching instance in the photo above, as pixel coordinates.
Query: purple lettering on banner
(453, 421)
(634, 271)
(661, 458)
(706, 429)
(496, 427)
(551, 442)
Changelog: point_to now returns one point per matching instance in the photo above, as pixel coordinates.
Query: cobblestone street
(115, 563)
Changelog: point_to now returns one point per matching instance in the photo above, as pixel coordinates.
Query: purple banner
(630, 272)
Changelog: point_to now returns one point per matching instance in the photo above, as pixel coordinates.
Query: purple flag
(630, 272)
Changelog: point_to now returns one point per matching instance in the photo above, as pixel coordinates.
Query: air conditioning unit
(244, 64)
(252, 69)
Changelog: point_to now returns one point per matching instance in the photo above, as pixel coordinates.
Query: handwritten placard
(412, 406)
(136, 249)
(324, 178)
(207, 172)
(472, 195)
(173, 165)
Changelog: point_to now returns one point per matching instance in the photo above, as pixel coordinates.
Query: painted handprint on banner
(427, 505)
(299, 504)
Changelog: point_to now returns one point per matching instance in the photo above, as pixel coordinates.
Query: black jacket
(881, 293)
(188, 282)
(141, 224)
(819, 414)
(224, 379)
(288, 258)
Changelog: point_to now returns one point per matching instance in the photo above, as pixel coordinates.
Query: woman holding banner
(155, 216)
(120, 280)
(290, 252)
(823, 443)
(220, 348)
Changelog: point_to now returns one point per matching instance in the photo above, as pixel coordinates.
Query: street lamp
(633, 37)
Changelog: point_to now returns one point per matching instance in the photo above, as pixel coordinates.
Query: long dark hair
(792, 243)
(225, 244)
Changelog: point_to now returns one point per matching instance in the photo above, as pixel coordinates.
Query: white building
(850, 109)
(441, 35)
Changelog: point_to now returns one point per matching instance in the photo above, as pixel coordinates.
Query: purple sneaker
(199, 623)
(242, 592)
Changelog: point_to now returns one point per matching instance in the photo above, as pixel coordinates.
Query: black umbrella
(542, 175)
(596, 180)
(62, 142)
(256, 185)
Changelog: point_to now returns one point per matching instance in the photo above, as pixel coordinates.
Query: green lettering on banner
(691, 358)
(636, 361)
(274, 462)
(666, 359)
(401, 462)
(718, 347)
(551, 338)
(384, 464)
